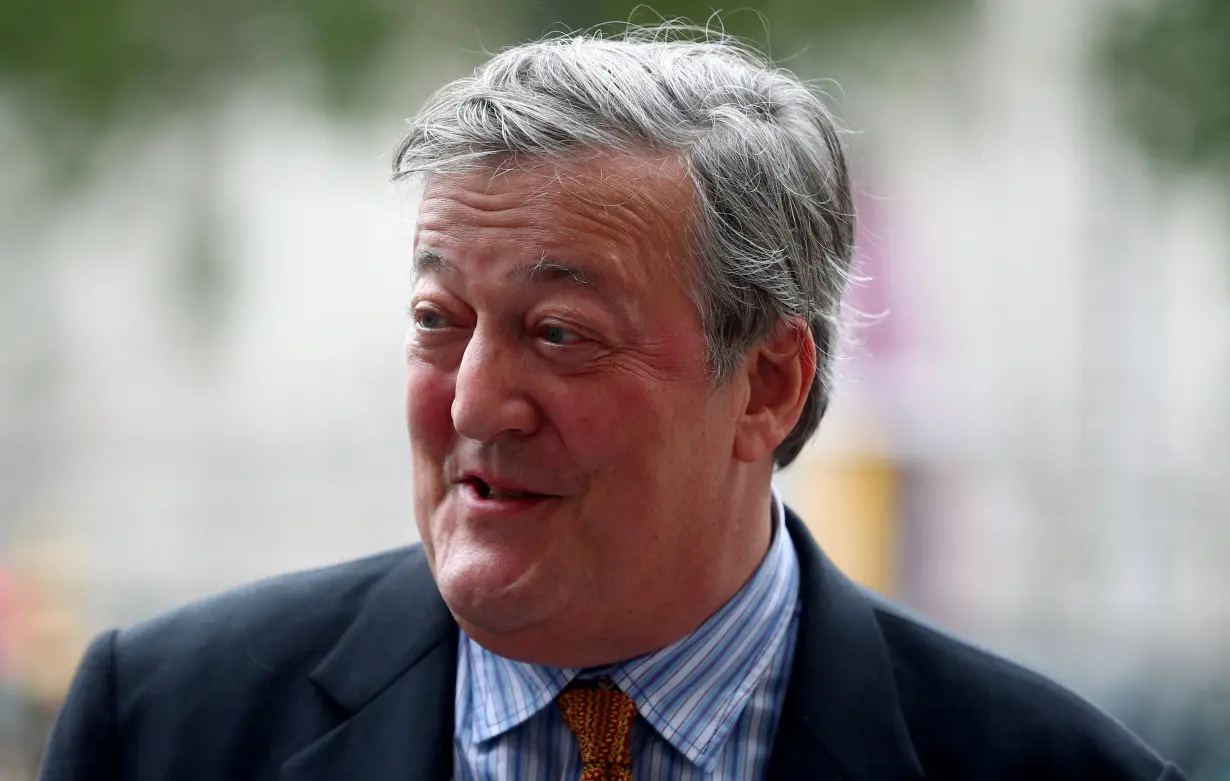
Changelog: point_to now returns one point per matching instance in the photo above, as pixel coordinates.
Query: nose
(489, 399)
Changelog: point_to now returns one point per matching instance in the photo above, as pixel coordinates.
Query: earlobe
(779, 373)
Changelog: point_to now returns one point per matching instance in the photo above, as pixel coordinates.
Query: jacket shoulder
(274, 624)
(974, 714)
(219, 688)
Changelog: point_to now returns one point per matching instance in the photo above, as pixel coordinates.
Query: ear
(779, 373)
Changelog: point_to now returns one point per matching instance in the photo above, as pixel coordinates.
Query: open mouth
(486, 491)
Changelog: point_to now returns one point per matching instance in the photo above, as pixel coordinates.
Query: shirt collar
(691, 692)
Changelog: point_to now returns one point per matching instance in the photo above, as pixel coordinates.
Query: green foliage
(1169, 69)
(345, 39)
(89, 63)
(80, 67)
(786, 25)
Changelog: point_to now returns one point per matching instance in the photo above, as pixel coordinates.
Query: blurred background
(203, 273)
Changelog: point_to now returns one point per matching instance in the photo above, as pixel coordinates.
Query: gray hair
(774, 219)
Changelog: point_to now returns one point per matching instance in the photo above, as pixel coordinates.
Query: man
(629, 262)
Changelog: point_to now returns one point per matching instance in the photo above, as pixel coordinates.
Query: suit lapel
(841, 717)
(392, 676)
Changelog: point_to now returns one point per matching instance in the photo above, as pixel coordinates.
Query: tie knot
(601, 719)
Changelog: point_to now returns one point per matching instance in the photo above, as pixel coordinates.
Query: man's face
(569, 448)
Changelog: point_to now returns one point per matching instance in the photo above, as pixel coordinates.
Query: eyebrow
(428, 262)
(545, 271)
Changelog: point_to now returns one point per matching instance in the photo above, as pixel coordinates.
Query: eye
(427, 320)
(558, 335)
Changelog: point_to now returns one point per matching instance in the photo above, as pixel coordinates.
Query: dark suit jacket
(348, 673)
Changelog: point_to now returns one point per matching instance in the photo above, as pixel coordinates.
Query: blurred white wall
(1063, 377)
(181, 463)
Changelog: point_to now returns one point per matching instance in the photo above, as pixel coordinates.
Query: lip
(478, 507)
(501, 484)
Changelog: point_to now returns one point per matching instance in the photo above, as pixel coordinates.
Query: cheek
(429, 402)
(654, 437)
(616, 429)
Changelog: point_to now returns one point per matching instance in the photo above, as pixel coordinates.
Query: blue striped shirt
(708, 704)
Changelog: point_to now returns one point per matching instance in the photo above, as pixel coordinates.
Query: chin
(488, 598)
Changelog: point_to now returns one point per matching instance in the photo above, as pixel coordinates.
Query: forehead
(628, 214)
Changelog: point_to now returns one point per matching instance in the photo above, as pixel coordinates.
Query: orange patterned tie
(601, 719)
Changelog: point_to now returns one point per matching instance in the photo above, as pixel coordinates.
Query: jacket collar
(841, 717)
(392, 675)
